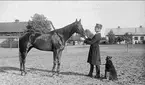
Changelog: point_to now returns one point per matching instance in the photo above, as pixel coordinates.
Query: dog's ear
(110, 57)
(107, 57)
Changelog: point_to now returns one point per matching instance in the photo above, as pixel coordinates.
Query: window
(136, 38)
(142, 38)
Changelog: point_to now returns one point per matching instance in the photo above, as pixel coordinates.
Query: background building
(12, 29)
(10, 32)
(138, 33)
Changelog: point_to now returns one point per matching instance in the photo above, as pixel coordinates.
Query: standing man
(94, 58)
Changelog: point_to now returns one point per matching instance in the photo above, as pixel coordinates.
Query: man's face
(98, 27)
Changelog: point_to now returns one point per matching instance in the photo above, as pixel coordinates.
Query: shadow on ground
(8, 68)
(62, 73)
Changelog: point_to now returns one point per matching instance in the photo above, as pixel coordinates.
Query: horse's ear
(76, 20)
(80, 20)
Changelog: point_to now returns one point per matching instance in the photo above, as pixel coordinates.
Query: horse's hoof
(57, 74)
(53, 73)
(20, 69)
(23, 73)
(53, 70)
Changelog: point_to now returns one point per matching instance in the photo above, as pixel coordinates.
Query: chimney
(118, 26)
(16, 21)
(140, 26)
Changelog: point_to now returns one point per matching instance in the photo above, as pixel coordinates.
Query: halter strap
(56, 32)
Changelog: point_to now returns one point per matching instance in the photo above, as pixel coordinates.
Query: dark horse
(53, 41)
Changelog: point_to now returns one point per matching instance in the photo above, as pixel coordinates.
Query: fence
(9, 41)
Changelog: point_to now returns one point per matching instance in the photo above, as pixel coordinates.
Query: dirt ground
(130, 66)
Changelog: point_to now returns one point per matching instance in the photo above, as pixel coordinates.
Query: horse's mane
(64, 29)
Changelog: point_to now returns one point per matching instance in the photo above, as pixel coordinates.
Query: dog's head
(108, 58)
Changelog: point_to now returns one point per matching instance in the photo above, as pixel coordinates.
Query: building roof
(121, 31)
(13, 26)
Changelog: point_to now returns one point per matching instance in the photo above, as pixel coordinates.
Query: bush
(143, 41)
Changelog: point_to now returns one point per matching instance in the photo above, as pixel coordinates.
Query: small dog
(110, 72)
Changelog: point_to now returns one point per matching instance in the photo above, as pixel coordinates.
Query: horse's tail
(19, 55)
(19, 48)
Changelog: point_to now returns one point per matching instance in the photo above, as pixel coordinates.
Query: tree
(88, 33)
(39, 23)
(128, 37)
(111, 37)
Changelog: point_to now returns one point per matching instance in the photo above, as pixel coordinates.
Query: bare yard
(130, 66)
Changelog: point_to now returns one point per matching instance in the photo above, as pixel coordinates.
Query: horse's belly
(43, 45)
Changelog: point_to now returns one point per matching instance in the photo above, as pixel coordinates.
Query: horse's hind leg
(54, 61)
(59, 61)
(24, 71)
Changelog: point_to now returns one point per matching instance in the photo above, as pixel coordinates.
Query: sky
(110, 14)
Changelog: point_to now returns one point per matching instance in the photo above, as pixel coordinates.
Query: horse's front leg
(59, 61)
(54, 61)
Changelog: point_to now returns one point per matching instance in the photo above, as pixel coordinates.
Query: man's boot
(91, 70)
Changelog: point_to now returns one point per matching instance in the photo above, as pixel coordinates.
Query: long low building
(138, 33)
(12, 29)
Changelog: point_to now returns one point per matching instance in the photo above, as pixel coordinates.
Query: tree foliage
(111, 37)
(39, 23)
(128, 37)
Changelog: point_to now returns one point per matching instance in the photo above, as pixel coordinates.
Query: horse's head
(79, 28)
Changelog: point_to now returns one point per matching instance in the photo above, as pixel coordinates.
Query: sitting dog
(110, 72)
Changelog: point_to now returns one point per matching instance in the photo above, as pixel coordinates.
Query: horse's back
(43, 42)
(48, 42)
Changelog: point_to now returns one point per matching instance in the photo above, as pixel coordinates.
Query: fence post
(10, 43)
